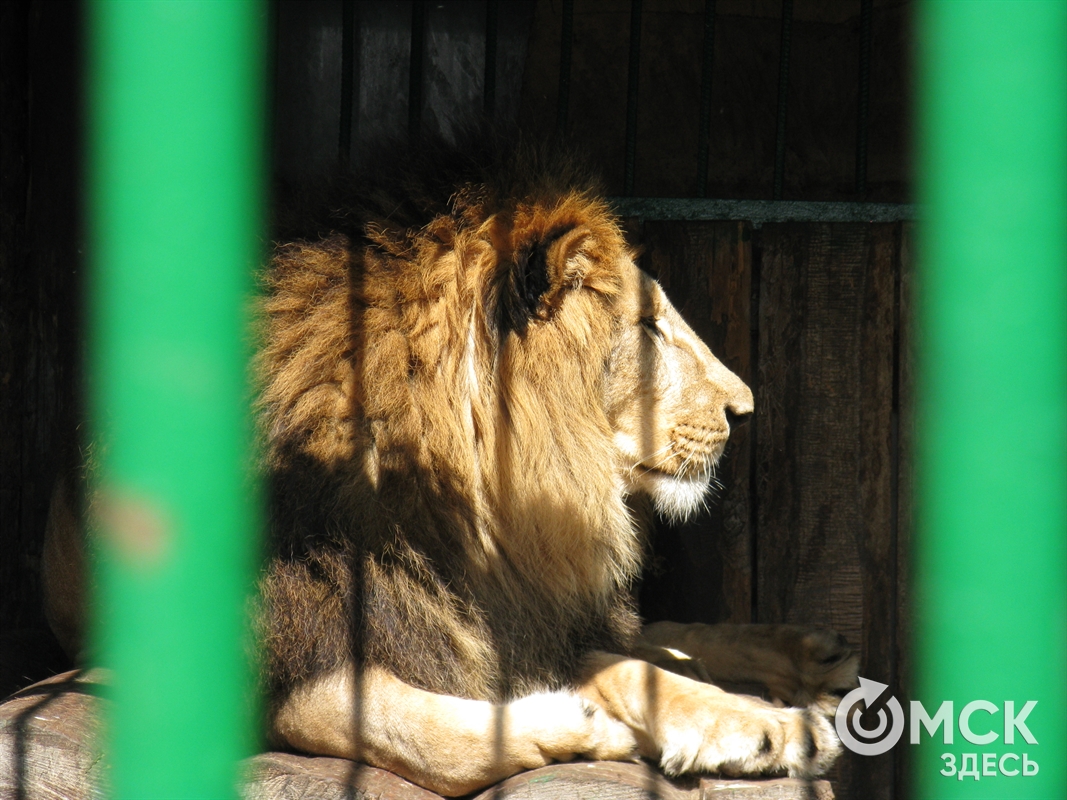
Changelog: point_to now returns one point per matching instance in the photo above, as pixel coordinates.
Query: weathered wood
(601, 779)
(284, 776)
(704, 565)
(287, 776)
(905, 461)
(874, 777)
(606, 780)
(51, 743)
(306, 87)
(51, 748)
(826, 542)
(307, 77)
(821, 135)
(40, 61)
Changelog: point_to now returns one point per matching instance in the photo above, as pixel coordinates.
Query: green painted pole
(175, 133)
(991, 545)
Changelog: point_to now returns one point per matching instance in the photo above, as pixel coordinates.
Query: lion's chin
(676, 498)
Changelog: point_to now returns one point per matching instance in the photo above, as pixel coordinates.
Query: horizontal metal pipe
(760, 211)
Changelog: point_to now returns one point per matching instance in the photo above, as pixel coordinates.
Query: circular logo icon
(869, 742)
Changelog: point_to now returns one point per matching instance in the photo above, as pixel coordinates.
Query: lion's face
(670, 401)
(663, 402)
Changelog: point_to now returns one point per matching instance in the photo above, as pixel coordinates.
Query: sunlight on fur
(462, 376)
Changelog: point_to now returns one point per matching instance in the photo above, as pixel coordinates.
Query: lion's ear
(541, 272)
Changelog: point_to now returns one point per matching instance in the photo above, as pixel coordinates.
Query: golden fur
(443, 435)
(463, 376)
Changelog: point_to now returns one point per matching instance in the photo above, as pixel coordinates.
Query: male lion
(463, 378)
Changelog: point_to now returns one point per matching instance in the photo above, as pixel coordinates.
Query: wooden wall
(40, 246)
(821, 101)
(812, 520)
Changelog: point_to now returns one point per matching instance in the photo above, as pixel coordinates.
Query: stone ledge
(50, 747)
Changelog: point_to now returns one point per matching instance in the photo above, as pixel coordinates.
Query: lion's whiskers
(657, 464)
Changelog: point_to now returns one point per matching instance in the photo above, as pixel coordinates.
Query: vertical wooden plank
(14, 129)
(307, 88)
(905, 483)
(705, 564)
(867, 777)
(826, 538)
(39, 239)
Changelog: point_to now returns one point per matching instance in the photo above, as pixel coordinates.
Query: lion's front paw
(795, 663)
(671, 660)
(556, 726)
(822, 662)
(742, 736)
(610, 740)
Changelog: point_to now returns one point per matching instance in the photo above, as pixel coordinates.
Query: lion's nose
(736, 418)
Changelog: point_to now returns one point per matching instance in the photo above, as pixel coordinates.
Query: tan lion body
(463, 376)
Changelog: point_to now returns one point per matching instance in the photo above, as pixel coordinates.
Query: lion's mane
(431, 371)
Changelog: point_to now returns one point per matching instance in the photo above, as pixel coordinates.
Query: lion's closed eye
(651, 326)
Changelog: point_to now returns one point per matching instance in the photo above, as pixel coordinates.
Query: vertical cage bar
(344, 144)
(492, 13)
(863, 112)
(633, 84)
(991, 546)
(563, 97)
(175, 128)
(783, 96)
(704, 136)
(418, 47)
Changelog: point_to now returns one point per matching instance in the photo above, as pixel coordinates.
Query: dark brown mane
(401, 527)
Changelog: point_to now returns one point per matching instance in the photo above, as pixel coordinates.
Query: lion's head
(489, 373)
(596, 341)
(671, 402)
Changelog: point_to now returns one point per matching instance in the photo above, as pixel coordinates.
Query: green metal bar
(175, 132)
(991, 593)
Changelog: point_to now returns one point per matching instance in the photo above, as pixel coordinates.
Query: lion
(464, 380)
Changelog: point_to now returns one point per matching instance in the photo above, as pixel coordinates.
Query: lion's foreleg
(450, 745)
(688, 726)
(797, 664)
